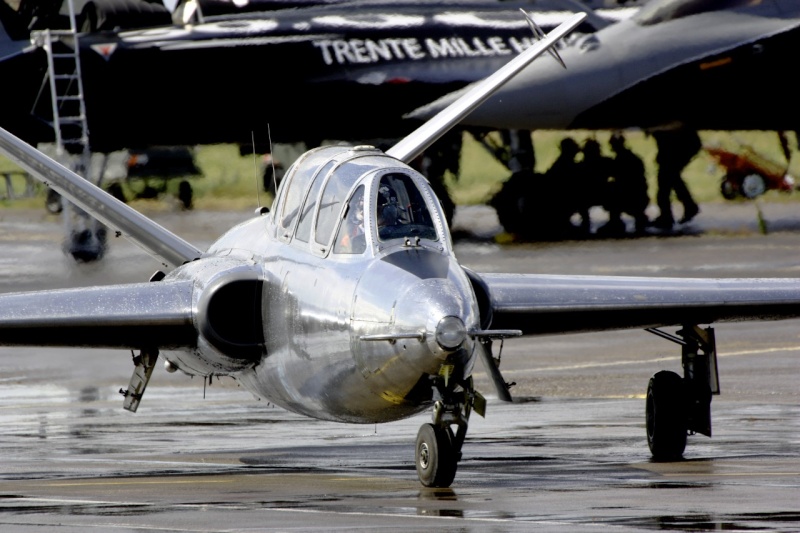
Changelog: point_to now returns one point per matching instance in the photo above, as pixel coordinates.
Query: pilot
(388, 213)
(351, 238)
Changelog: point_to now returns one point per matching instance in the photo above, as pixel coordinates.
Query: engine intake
(229, 314)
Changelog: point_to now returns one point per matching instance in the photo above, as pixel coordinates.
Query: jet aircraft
(674, 64)
(398, 55)
(699, 64)
(366, 316)
(105, 78)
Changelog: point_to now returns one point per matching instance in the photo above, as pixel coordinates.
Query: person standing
(594, 172)
(676, 147)
(627, 189)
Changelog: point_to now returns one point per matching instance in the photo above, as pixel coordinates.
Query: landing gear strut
(679, 406)
(438, 448)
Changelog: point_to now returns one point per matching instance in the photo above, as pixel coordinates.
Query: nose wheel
(436, 458)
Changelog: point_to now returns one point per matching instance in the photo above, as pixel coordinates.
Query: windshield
(401, 210)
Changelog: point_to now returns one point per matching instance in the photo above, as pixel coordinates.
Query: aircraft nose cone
(411, 317)
(450, 333)
(440, 310)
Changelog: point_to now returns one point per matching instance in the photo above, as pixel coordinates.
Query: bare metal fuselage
(347, 337)
(315, 309)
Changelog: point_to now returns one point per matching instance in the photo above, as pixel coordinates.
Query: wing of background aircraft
(705, 65)
(380, 334)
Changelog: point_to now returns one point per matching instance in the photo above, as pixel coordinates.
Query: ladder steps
(66, 89)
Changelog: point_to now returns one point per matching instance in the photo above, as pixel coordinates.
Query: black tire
(728, 189)
(435, 458)
(666, 416)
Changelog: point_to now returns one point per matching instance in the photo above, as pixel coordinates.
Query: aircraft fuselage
(346, 336)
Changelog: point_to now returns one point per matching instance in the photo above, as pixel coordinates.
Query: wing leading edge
(549, 304)
(170, 249)
(118, 316)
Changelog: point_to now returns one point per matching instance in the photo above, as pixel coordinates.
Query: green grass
(233, 181)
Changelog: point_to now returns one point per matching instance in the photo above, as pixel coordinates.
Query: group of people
(557, 203)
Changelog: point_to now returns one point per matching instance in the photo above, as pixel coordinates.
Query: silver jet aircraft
(345, 302)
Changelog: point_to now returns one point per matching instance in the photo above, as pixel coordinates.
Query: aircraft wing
(549, 304)
(118, 316)
(162, 244)
(696, 67)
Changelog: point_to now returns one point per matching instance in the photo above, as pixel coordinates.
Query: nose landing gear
(438, 448)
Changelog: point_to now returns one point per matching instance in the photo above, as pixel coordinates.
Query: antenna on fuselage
(272, 161)
(255, 170)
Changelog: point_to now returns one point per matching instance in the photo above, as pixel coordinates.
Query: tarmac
(570, 454)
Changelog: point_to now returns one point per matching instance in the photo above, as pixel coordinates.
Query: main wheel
(436, 460)
(666, 416)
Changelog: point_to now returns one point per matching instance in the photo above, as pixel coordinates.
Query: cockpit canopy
(325, 195)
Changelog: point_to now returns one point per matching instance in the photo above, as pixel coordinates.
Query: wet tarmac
(569, 455)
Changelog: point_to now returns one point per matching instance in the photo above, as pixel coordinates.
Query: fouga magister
(345, 301)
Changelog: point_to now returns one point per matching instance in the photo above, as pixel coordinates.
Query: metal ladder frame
(66, 90)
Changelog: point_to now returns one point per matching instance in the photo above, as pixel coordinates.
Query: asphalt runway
(569, 455)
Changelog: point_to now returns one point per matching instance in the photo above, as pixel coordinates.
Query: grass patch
(234, 181)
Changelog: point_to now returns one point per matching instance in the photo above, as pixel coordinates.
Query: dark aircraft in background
(210, 72)
(693, 64)
(701, 64)
(235, 77)
(367, 319)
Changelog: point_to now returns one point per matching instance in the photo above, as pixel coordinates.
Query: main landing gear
(679, 406)
(438, 448)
